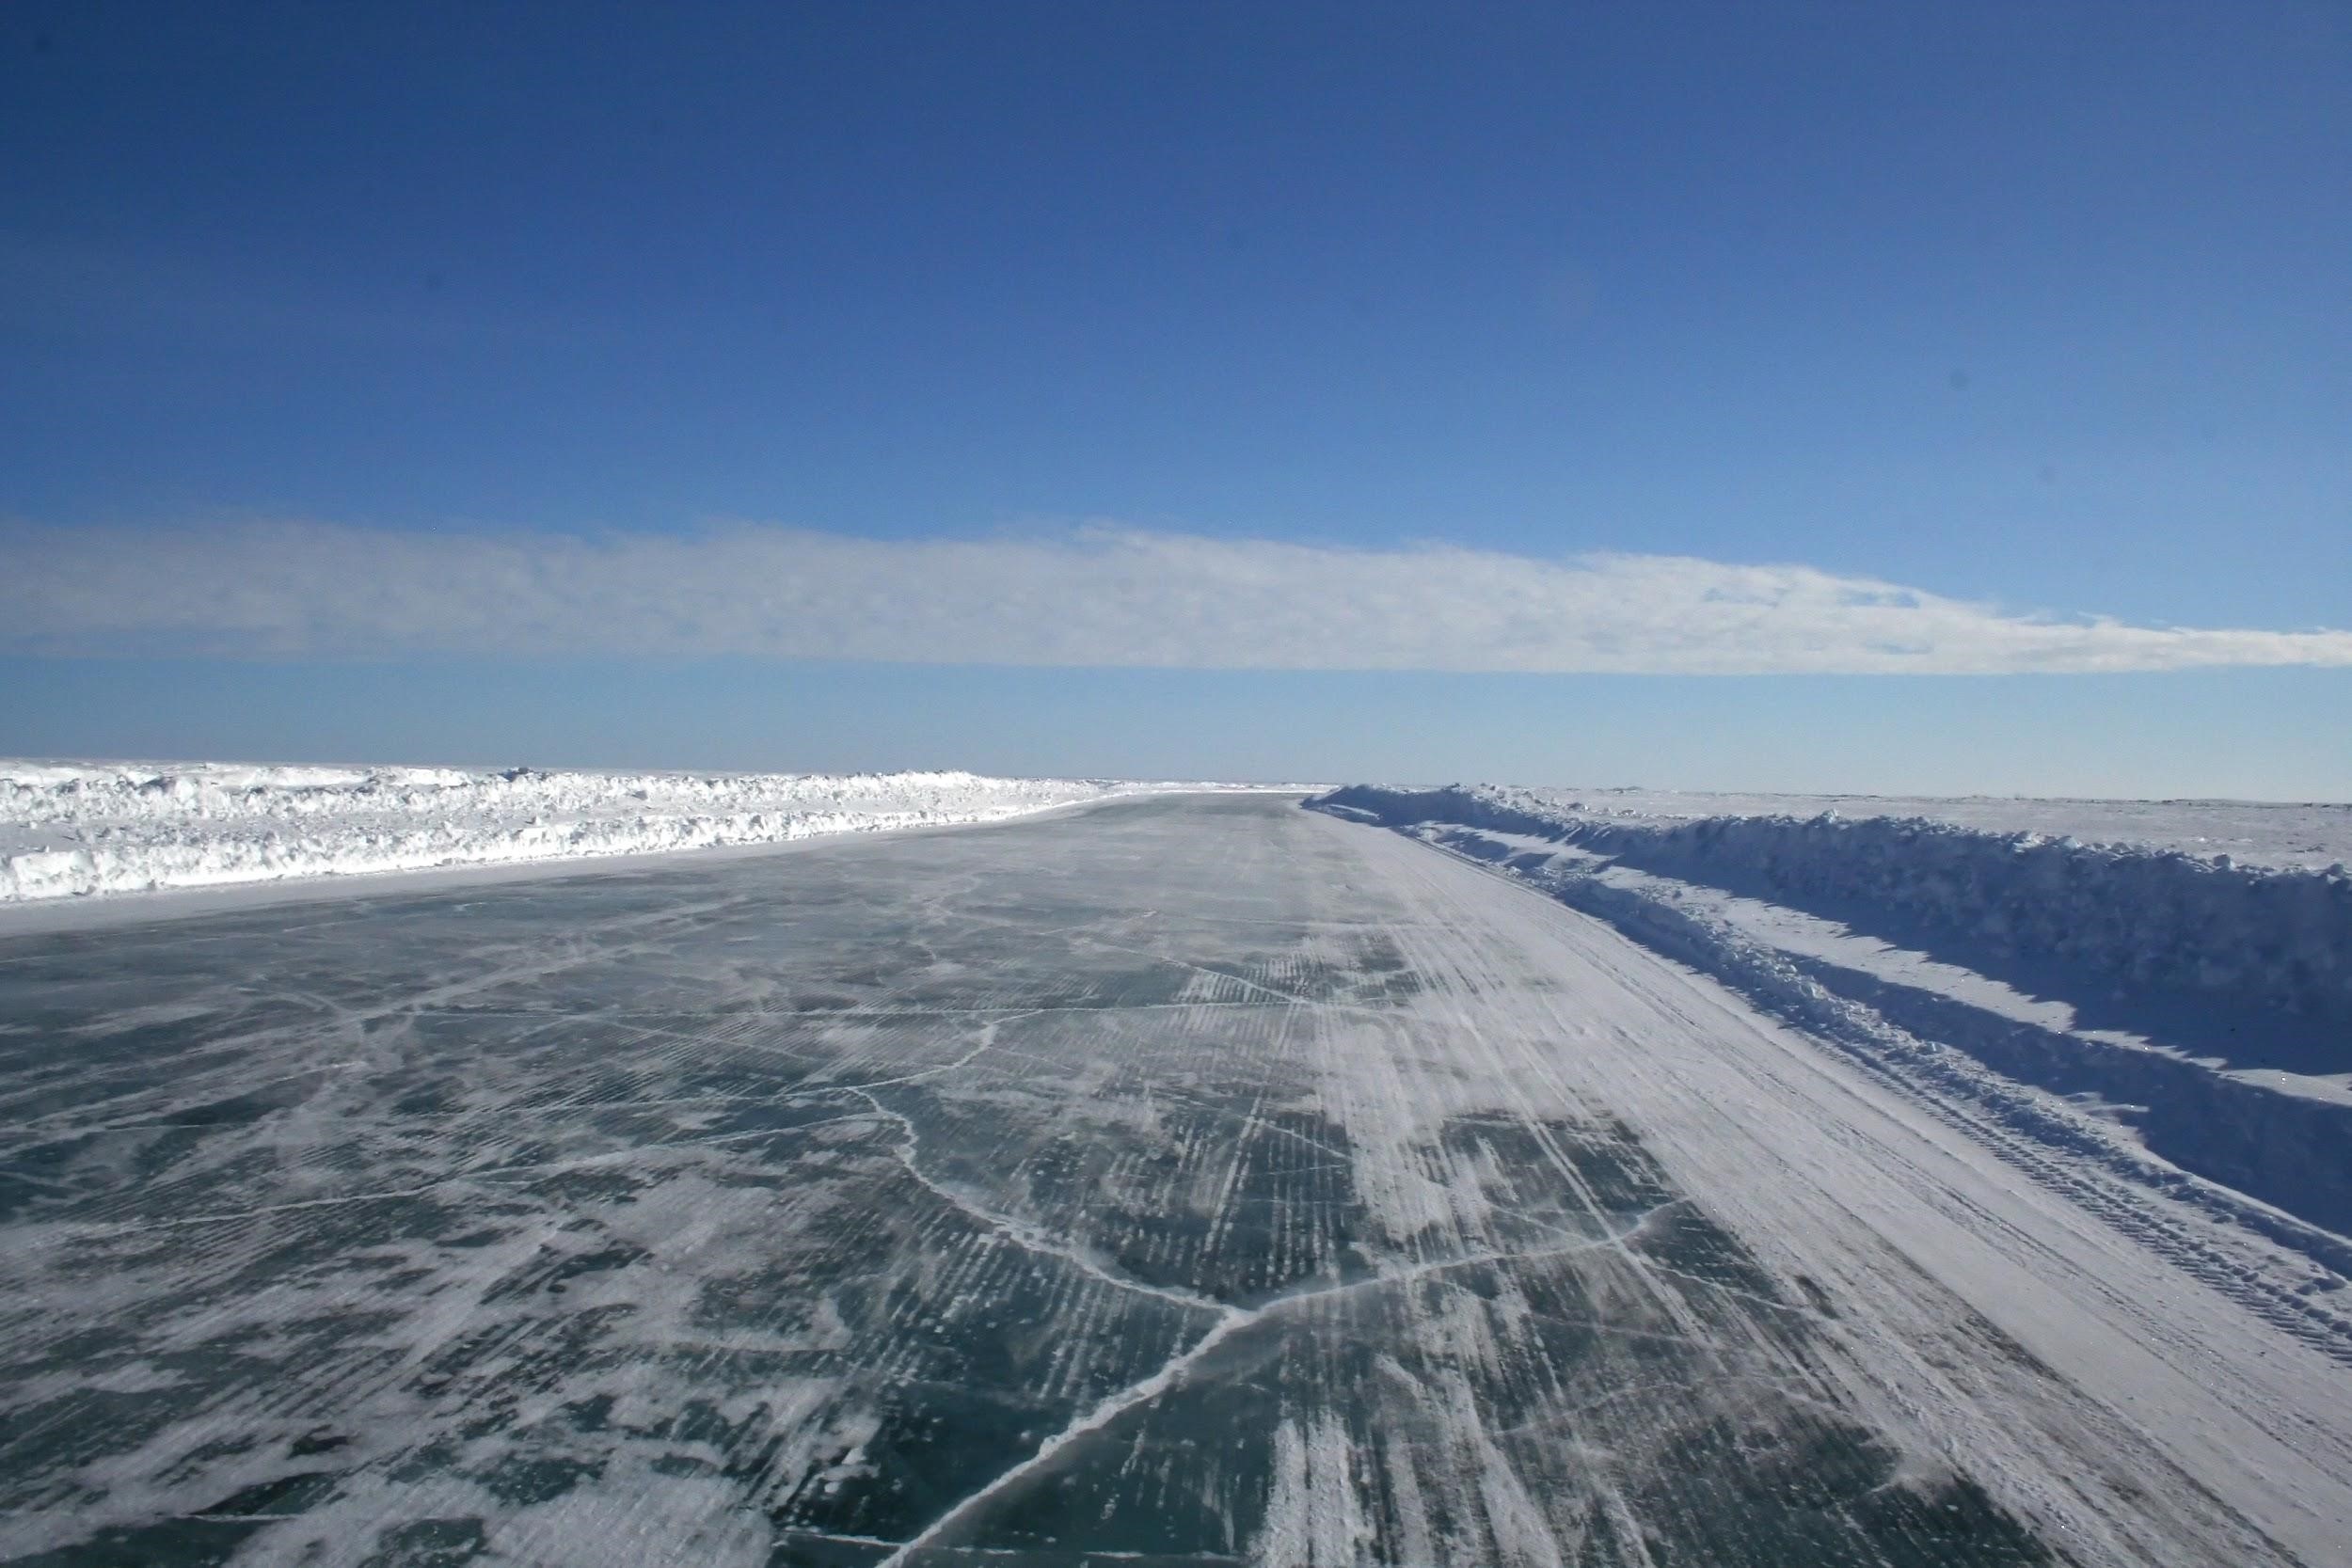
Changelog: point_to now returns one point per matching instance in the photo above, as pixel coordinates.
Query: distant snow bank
(2180, 1022)
(2278, 834)
(72, 828)
(2276, 937)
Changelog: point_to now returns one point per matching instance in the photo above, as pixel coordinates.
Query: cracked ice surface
(1198, 1181)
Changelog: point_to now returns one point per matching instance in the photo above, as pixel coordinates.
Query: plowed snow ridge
(2274, 937)
(69, 828)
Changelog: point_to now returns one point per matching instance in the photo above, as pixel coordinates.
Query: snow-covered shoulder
(69, 828)
(2267, 927)
(2184, 1018)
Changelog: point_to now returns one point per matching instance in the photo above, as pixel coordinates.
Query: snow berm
(70, 828)
(2268, 938)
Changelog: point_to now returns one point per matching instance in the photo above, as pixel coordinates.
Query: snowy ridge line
(2260, 1251)
(69, 829)
(2305, 833)
(2077, 1156)
(2275, 939)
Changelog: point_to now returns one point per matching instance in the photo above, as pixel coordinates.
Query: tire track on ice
(1814, 1129)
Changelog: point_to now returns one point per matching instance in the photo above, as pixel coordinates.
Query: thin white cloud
(1099, 596)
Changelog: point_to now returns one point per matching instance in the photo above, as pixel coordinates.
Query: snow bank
(69, 829)
(2310, 834)
(2271, 938)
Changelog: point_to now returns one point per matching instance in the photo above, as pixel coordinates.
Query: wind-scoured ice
(1193, 1180)
(69, 829)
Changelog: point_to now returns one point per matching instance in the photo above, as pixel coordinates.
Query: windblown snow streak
(1195, 1180)
(69, 828)
(2178, 1023)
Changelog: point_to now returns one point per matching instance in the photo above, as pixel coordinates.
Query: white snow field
(74, 827)
(1193, 1180)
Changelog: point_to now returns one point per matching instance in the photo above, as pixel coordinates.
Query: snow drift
(2176, 1020)
(74, 829)
(2268, 938)
(2310, 834)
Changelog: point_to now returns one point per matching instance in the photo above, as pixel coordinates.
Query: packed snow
(2181, 1021)
(73, 828)
(2267, 927)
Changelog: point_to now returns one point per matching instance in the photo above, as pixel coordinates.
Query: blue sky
(2031, 313)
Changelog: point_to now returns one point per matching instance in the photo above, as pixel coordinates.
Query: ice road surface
(1196, 1180)
(68, 828)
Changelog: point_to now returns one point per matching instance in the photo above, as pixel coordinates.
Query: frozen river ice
(1196, 1180)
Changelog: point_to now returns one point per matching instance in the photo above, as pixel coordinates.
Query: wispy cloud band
(1093, 596)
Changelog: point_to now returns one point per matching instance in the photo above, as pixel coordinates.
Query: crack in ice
(1024, 1235)
(1232, 1321)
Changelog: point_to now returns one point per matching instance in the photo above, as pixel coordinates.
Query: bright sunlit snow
(80, 828)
